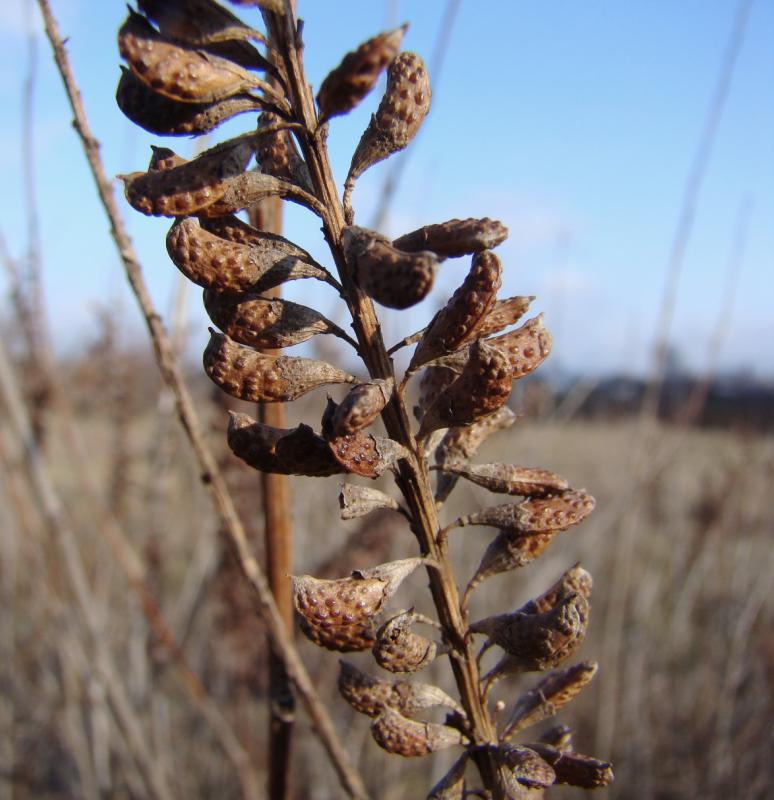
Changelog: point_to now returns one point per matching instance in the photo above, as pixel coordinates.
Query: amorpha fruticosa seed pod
(294, 451)
(434, 381)
(527, 347)
(459, 320)
(510, 479)
(525, 767)
(346, 85)
(265, 322)
(399, 649)
(361, 406)
(256, 377)
(452, 785)
(549, 696)
(358, 501)
(575, 769)
(407, 737)
(455, 238)
(504, 313)
(576, 579)
(391, 277)
(278, 155)
(554, 512)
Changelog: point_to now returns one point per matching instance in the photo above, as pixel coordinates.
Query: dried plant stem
(211, 474)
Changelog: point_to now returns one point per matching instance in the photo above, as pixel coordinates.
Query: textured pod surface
(554, 512)
(527, 347)
(525, 766)
(459, 320)
(294, 451)
(391, 277)
(405, 104)
(278, 154)
(265, 322)
(454, 238)
(509, 551)
(504, 313)
(358, 72)
(482, 388)
(452, 785)
(361, 406)
(358, 501)
(576, 579)
(576, 769)
(255, 377)
(407, 737)
(510, 479)
(366, 455)
(158, 114)
(550, 695)
(434, 381)
(399, 649)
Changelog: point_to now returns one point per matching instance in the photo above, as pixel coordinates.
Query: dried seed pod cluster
(192, 65)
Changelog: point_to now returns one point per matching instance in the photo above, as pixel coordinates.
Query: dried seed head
(357, 74)
(278, 154)
(357, 501)
(265, 322)
(297, 451)
(459, 320)
(482, 388)
(576, 579)
(504, 313)
(525, 766)
(255, 377)
(407, 737)
(399, 649)
(457, 237)
(391, 277)
(575, 769)
(554, 512)
(527, 347)
(405, 104)
(510, 479)
(361, 406)
(551, 694)
(452, 785)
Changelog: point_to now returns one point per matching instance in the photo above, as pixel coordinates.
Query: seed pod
(559, 736)
(576, 579)
(392, 278)
(551, 694)
(398, 649)
(554, 512)
(527, 347)
(407, 737)
(278, 154)
(190, 187)
(510, 479)
(525, 766)
(297, 451)
(162, 158)
(504, 313)
(434, 381)
(358, 501)
(575, 769)
(255, 377)
(405, 104)
(265, 322)
(361, 406)
(357, 74)
(458, 321)
(455, 238)
(482, 388)
(452, 785)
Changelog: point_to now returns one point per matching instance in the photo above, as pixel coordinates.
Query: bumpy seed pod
(409, 738)
(265, 322)
(510, 479)
(576, 579)
(358, 501)
(399, 649)
(482, 388)
(554, 512)
(278, 154)
(452, 785)
(575, 769)
(357, 74)
(527, 347)
(255, 377)
(434, 381)
(295, 451)
(525, 767)
(361, 406)
(405, 104)
(455, 238)
(458, 321)
(551, 694)
(391, 277)
(504, 313)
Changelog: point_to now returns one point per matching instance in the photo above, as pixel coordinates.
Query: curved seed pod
(297, 451)
(405, 104)
(278, 154)
(265, 322)
(504, 313)
(393, 278)
(575, 769)
(452, 785)
(526, 767)
(434, 381)
(457, 237)
(361, 406)
(255, 377)
(554, 512)
(407, 737)
(482, 388)
(527, 347)
(510, 479)
(358, 72)
(576, 579)
(357, 501)
(165, 117)
(458, 321)
(189, 187)
(398, 649)
(553, 692)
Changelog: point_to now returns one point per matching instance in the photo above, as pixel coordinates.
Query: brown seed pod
(361, 406)
(554, 512)
(265, 322)
(550, 695)
(358, 501)
(278, 154)
(575, 769)
(255, 377)
(189, 187)
(483, 386)
(407, 737)
(510, 479)
(526, 767)
(452, 785)
(559, 736)
(504, 313)
(165, 117)
(458, 321)
(434, 381)
(527, 347)
(393, 278)
(295, 451)
(457, 237)
(358, 72)
(576, 579)
(399, 649)
(162, 158)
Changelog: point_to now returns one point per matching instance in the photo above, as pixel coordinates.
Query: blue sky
(574, 123)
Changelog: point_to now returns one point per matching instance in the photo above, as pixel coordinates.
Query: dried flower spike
(407, 737)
